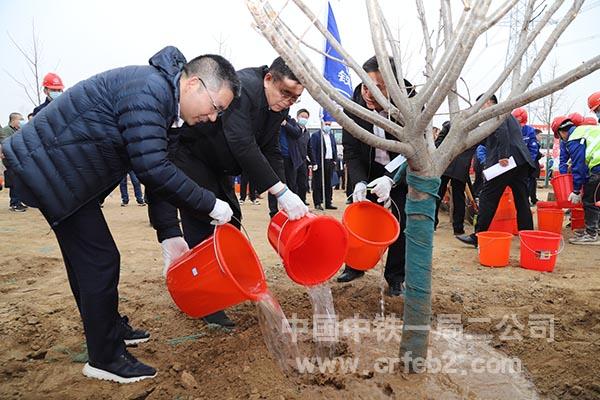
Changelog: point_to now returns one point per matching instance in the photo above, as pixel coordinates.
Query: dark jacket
(245, 139)
(290, 136)
(82, 144)
(304, 145)
(316, 141)
(507, 141)
(459, 167)
(252, 131)
(359, 157)
(41, 106)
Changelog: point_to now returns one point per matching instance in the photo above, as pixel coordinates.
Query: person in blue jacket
(78, 148)
(583, 144)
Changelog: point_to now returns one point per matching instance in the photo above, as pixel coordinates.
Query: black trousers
(290, 174)
(396, 256)
(92, 261)
(246, 186)
(458, 202)
(317, 183)
(302, 181)
(591, 194)
(491, 192)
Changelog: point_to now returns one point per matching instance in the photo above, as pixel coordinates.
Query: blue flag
(334, 71)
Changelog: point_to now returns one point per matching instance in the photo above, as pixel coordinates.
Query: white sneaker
(241, 201)
(256, 202)
(584, 239)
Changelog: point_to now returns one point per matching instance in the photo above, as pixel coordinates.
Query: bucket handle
(215, 244)
(279, 236)
(561, 247)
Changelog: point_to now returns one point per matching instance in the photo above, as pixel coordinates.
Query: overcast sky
(81, 38)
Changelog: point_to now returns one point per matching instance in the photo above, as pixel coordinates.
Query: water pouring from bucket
(223, 271)
(312, 249)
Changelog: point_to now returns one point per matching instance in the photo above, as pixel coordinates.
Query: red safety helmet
(53, 81)
(520, 114)
(559, 122)
(589, 121)
(594, 101)
(576, 118)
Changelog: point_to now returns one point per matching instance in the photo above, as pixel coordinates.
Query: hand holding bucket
(218, 273)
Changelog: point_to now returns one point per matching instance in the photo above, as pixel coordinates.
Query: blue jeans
(137, 189)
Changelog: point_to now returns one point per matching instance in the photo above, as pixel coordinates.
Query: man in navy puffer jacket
(79, 148)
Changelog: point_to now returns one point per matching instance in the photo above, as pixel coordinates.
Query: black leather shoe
(319, 207)
(132, 336)
(125, 369)
(396, 289)
(330, 207)
(468, 239)
(219, 318)
(349, 275)
(459, 231)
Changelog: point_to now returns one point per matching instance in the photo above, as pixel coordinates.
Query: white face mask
(22, 123)
(53, 94)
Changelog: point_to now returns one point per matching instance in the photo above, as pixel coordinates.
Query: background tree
(410, 119)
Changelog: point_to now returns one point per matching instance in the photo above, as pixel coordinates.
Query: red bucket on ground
(577, 218)
(563, 186)
(494, 248)
(312, 248)
(550, 220)
(371, 230)
(546, 204)
(539, 250)
(218, 273)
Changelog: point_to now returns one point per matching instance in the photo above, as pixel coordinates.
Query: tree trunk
(423, 187)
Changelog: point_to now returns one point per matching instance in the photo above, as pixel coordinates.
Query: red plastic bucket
(539, 250)
(550, 220)
(577, 219)
(494, 248)
(546, 204)
(371, 229)
(563, 186)
(218, 273)
(312, 248)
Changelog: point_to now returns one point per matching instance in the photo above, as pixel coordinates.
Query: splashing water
(277, 333)
(324, 320)
(382, 289)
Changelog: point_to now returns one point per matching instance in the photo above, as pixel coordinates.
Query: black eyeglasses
(219, 111)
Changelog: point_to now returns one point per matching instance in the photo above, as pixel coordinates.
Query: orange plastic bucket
(371, 229)
(577, 218)
(563, 186)
(218, 273)
(539, 250)
(494, 248)
(550, 219)
(312, 248)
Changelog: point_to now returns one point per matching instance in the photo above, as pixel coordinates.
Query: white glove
(360, 192)
(315, 167)
(292, 205)
(221, 213)
(381, 187)
(172, 248)
(574, 198)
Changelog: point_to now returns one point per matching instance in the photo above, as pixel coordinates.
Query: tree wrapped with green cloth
(410, 119)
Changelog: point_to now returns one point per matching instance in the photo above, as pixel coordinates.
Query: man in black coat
(245, 138)
(80, 146)
(324, 158)
(505, 142)
(457, 174)
(367, 164)
(303, 144)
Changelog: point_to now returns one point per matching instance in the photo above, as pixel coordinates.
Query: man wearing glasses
(245, 138)
(78, 150)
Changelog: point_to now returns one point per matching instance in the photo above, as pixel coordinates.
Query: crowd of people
(185, 128)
